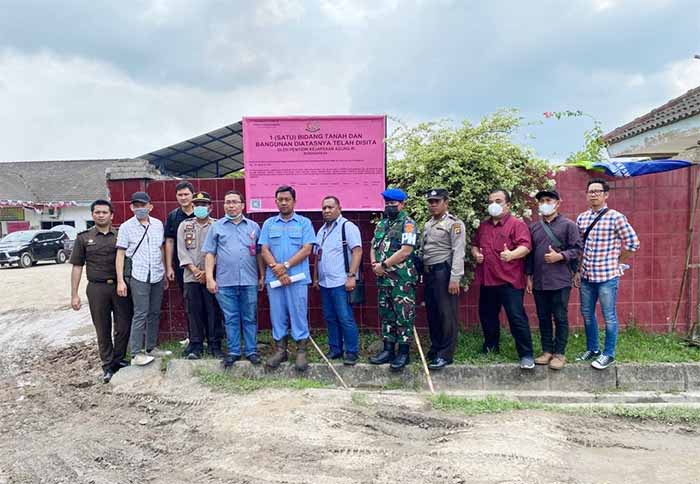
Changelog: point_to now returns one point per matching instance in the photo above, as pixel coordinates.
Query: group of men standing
(547, 259)
(220, 266)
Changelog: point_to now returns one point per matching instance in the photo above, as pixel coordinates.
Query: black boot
(401, 359)
(384, 356)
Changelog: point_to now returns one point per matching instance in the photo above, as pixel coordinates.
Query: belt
(434, 267)
(105, 281)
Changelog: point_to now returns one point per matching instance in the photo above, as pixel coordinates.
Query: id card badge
(251, 247)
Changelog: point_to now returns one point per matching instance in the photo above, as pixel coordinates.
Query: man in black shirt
(556, 243)
(184, 192)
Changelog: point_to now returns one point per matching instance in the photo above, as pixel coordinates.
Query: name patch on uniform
(457, 229)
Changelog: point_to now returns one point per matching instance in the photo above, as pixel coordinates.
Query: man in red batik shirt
(499, 247)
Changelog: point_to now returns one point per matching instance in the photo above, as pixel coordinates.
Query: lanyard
(326, 232)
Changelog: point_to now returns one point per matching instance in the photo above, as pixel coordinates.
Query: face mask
(141, 213)
(495, 209)
(547, 209)
(201, 212)
(235, 218)
(391, 211)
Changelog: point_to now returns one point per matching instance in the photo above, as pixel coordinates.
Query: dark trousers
(441, 307)
(203, 316)
(105, 306)
(491, 299)
(553, 304)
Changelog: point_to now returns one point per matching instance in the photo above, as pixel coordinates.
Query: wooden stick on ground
(425, 365)
(329, 363)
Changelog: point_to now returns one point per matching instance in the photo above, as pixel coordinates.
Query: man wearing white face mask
(556, 248)
(141, 270)
(201, 308)
(500, 246)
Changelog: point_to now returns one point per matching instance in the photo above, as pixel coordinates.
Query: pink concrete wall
(656, 205)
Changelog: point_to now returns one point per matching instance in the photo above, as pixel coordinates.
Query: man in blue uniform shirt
(285, 244)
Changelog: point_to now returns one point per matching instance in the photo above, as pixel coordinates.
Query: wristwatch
(286, 264)
(350, 274)
(384, 266)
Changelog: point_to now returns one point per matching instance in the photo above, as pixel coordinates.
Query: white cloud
(277, 12)
(77, 108)
(353, 13)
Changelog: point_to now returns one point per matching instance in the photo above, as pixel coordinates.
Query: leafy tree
(469, 160)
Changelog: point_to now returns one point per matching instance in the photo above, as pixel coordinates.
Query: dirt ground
(58, 424)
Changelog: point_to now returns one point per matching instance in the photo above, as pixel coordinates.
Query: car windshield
(22, 236)
(71, 232)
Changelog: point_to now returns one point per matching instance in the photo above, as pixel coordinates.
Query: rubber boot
(279, 355)
(384, 356)
(301, 364)
(401, 359)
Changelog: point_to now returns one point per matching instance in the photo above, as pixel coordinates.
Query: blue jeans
(341, 323)
(606, 292)
(239, 305)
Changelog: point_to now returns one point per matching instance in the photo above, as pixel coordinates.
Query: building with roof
(669, 131)
(43, 194)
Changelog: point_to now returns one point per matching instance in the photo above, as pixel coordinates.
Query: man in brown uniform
(96, 249)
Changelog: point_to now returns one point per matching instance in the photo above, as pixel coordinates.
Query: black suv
(27, 247)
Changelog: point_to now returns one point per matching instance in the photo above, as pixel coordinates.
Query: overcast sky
(85, 79)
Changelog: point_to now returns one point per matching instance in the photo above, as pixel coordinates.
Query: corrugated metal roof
(210, 155)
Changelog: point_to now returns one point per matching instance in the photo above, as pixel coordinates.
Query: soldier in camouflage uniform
(394, 240)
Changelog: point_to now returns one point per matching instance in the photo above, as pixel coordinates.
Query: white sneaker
(141, 359)
(158, 353)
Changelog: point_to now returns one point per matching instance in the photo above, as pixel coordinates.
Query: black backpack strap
(345, 253)
(142, 237)
(590, 227)
(345, 248)
(553, 238)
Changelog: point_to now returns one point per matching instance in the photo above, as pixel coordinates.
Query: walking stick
(329, 363)
(425, 365)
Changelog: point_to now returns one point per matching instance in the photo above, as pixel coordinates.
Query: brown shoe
(558, 362)
(279, 355)
(301, 364)
(543, 359)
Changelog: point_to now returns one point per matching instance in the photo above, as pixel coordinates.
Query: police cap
(437, 193)
(201, 197)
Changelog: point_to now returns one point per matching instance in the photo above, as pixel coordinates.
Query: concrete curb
(628, 377)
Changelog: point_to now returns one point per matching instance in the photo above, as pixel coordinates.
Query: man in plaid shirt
(609, 243)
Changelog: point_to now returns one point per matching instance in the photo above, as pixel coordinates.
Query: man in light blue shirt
(231, 246)
(285, 244)
(337, 279)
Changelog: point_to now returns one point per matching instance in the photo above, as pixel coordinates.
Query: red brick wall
(656, 205)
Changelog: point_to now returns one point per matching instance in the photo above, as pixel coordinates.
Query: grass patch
(671, 414)
(490, 404)
(360, 399)
(634, 346)
(225, 383)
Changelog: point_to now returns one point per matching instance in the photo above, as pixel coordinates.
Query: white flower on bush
(475, 223)
(533, 193)
(527, 213)
(551, 183)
